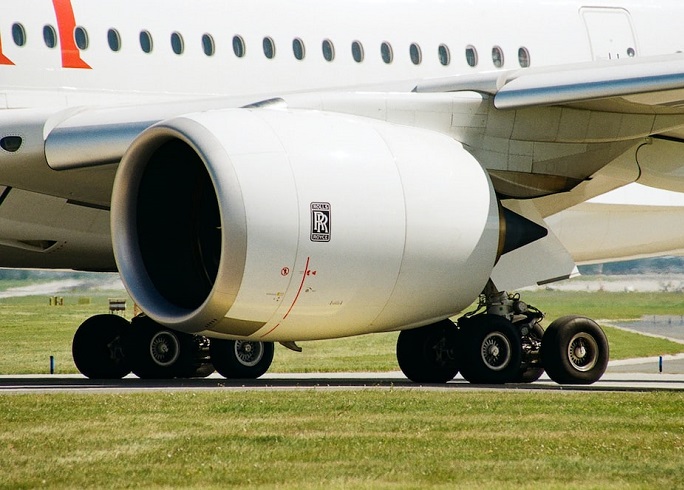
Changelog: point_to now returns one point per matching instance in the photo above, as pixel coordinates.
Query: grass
(323, 439)
(605, 305)
(32, 331)
(384, 438)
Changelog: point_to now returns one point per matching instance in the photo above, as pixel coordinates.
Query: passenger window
(177, 44)
(18, 34)
(357, 51)
(416, 54)
(49, 36)
(524, 57)
(471, 56)
(386, 52)
(208, 45)
(238, 46)
(631, 52)
(81, 38)
(298, 49)
(114, 40)
(497, 57)
(146, 41)
(269, 48)
(444, 54)
(328, 50)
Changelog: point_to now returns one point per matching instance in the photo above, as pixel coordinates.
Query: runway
(612, 381)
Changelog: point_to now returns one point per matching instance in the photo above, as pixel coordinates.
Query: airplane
(279, 171)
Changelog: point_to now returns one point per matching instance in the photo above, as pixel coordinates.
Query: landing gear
(428, 354)
(574, 350)
(241, 358)
(108, 346)
(97, 347)
(504, 344)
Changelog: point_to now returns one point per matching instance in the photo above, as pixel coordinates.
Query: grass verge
(363, 439)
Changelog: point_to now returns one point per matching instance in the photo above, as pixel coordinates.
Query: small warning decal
(320, 221)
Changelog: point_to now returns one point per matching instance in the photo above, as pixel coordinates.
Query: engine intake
(294, 225)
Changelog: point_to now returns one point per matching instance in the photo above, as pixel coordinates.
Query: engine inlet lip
(124, 225)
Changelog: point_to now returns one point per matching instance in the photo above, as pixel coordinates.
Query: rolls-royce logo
(320, 221)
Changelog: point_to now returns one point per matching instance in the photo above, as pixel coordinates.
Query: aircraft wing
(649, 81)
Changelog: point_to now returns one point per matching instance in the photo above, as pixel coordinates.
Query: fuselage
(75, 52)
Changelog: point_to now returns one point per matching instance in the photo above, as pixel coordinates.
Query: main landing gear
(110, 347)
(504, 344)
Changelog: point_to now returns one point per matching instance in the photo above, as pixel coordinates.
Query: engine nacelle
(293, 225)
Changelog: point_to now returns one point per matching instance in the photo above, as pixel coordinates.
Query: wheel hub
(583, 352)
(496, 351)
(164, 348)
(248, 353)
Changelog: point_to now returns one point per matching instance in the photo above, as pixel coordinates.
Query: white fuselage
(420, 39)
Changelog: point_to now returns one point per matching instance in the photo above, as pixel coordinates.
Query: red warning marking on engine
(311, 273)
(284, 271)
(306, 274)
(4, 60)
(66, 24)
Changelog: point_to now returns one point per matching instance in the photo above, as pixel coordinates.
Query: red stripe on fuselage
(4, 60)
(66, 23)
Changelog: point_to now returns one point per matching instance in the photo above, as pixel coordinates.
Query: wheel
(158, 352)
(574, 350)
(242, 359)
(203, 371)
(491, 349)
(97, 347)
(428, 354)
(529, 375)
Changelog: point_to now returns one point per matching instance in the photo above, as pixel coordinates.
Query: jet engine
(280, 225)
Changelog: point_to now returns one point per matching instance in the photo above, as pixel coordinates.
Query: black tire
(429, 354)
(203, 371)
(241, 359)
(491, 349)
(97, 347)
(529, 375)
(574, 350)
(156, 352)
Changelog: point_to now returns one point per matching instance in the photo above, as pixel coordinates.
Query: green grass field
(343, 439)
(32, 331)
(365, 438)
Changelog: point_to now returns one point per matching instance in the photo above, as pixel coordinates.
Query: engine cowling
(295, 225)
